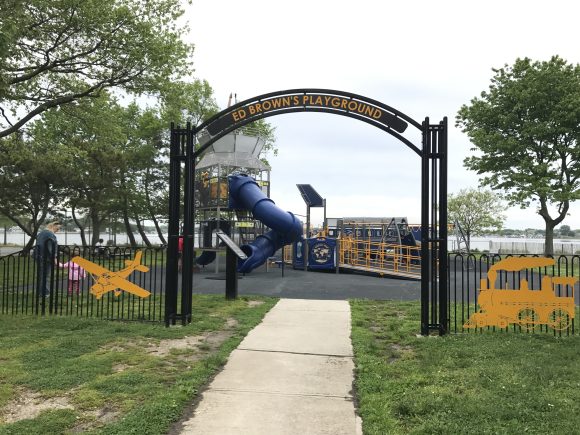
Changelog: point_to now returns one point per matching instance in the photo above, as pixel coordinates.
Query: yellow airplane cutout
(106, 280)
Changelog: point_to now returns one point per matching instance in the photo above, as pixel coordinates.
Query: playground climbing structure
(237, 152)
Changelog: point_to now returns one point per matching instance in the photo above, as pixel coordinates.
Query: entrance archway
(432, 150)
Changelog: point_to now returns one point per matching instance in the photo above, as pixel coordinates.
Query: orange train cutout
(525, 307)
(106, 280)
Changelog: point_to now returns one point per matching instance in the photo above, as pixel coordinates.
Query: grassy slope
(76, 358)
(480, 383)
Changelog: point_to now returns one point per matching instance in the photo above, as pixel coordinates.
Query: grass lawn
(471, 383)
(67, 375)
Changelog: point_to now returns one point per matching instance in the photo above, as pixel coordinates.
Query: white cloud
(421, 57)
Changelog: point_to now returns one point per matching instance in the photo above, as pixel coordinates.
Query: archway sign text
(290, 103)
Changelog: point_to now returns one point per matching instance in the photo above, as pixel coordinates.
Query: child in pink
(75, 274)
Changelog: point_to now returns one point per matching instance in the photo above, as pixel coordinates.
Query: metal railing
(379, 257)
(38, 283)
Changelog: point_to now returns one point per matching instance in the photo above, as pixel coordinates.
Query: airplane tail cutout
(136, 262)
(106, 280)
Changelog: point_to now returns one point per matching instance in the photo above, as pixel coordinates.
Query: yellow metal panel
(525, 307)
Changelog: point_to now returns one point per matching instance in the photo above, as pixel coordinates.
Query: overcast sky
(423, 58)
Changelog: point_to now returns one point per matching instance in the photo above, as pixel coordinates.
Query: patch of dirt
(117, 368)
(400, 351)
(100, 417)
(231, 323)
(209, 341)
(253, 304)
(114, 348)
(30, 404)
(164, 347)
(215, 339)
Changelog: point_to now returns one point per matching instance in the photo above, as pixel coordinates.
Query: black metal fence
(465, 275)
(39, 283)
(22, 290)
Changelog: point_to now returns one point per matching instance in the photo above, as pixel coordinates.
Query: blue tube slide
(245, 194)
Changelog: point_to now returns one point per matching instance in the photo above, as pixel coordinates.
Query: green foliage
(477, 211)
(525, 131)
(97, 158)
(56, 52)
(28, 171)
(482, 383)
(565, 231)
(187, 102)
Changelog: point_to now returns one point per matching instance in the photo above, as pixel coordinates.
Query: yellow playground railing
(379, 257)
(287, 250)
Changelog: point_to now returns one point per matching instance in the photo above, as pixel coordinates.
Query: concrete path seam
(280, 393)
(296, 353)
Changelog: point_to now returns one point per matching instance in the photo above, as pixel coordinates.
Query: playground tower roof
(234, 149)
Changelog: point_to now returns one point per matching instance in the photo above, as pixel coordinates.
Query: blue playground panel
(321, 254)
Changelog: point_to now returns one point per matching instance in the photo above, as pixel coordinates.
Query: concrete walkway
(292, 374)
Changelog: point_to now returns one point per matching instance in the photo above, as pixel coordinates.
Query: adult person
(45, 254)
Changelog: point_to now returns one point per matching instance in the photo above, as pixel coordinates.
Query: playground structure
(525, 307)
(240, 207)
(236, 152)
(382, 246)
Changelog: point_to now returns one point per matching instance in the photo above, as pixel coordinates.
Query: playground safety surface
(299, 284)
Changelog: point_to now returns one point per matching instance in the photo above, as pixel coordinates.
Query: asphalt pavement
(299, 284)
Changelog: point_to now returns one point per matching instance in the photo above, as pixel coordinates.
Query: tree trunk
(142, 232)
(549, 240)
(150, 209)
(158, 229)
(30, 229)
(551, 223)
(96, 221)
(130, 234)
(80, 227)
(5, 235)
(468, 241)
(29, 244)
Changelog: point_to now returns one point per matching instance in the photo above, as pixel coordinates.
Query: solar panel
(310, 196)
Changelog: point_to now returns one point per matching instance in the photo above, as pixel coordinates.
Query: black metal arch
(392, 121)
(432, 150)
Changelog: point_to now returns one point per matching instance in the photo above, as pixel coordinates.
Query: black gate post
(434, 301)
(443, 299)
(231, 275)
(425, 230)
(188, 229)
(173, 226)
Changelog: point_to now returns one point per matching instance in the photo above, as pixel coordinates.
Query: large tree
(53, 52)
(86, 139)
(525, 130)
(475, 212)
